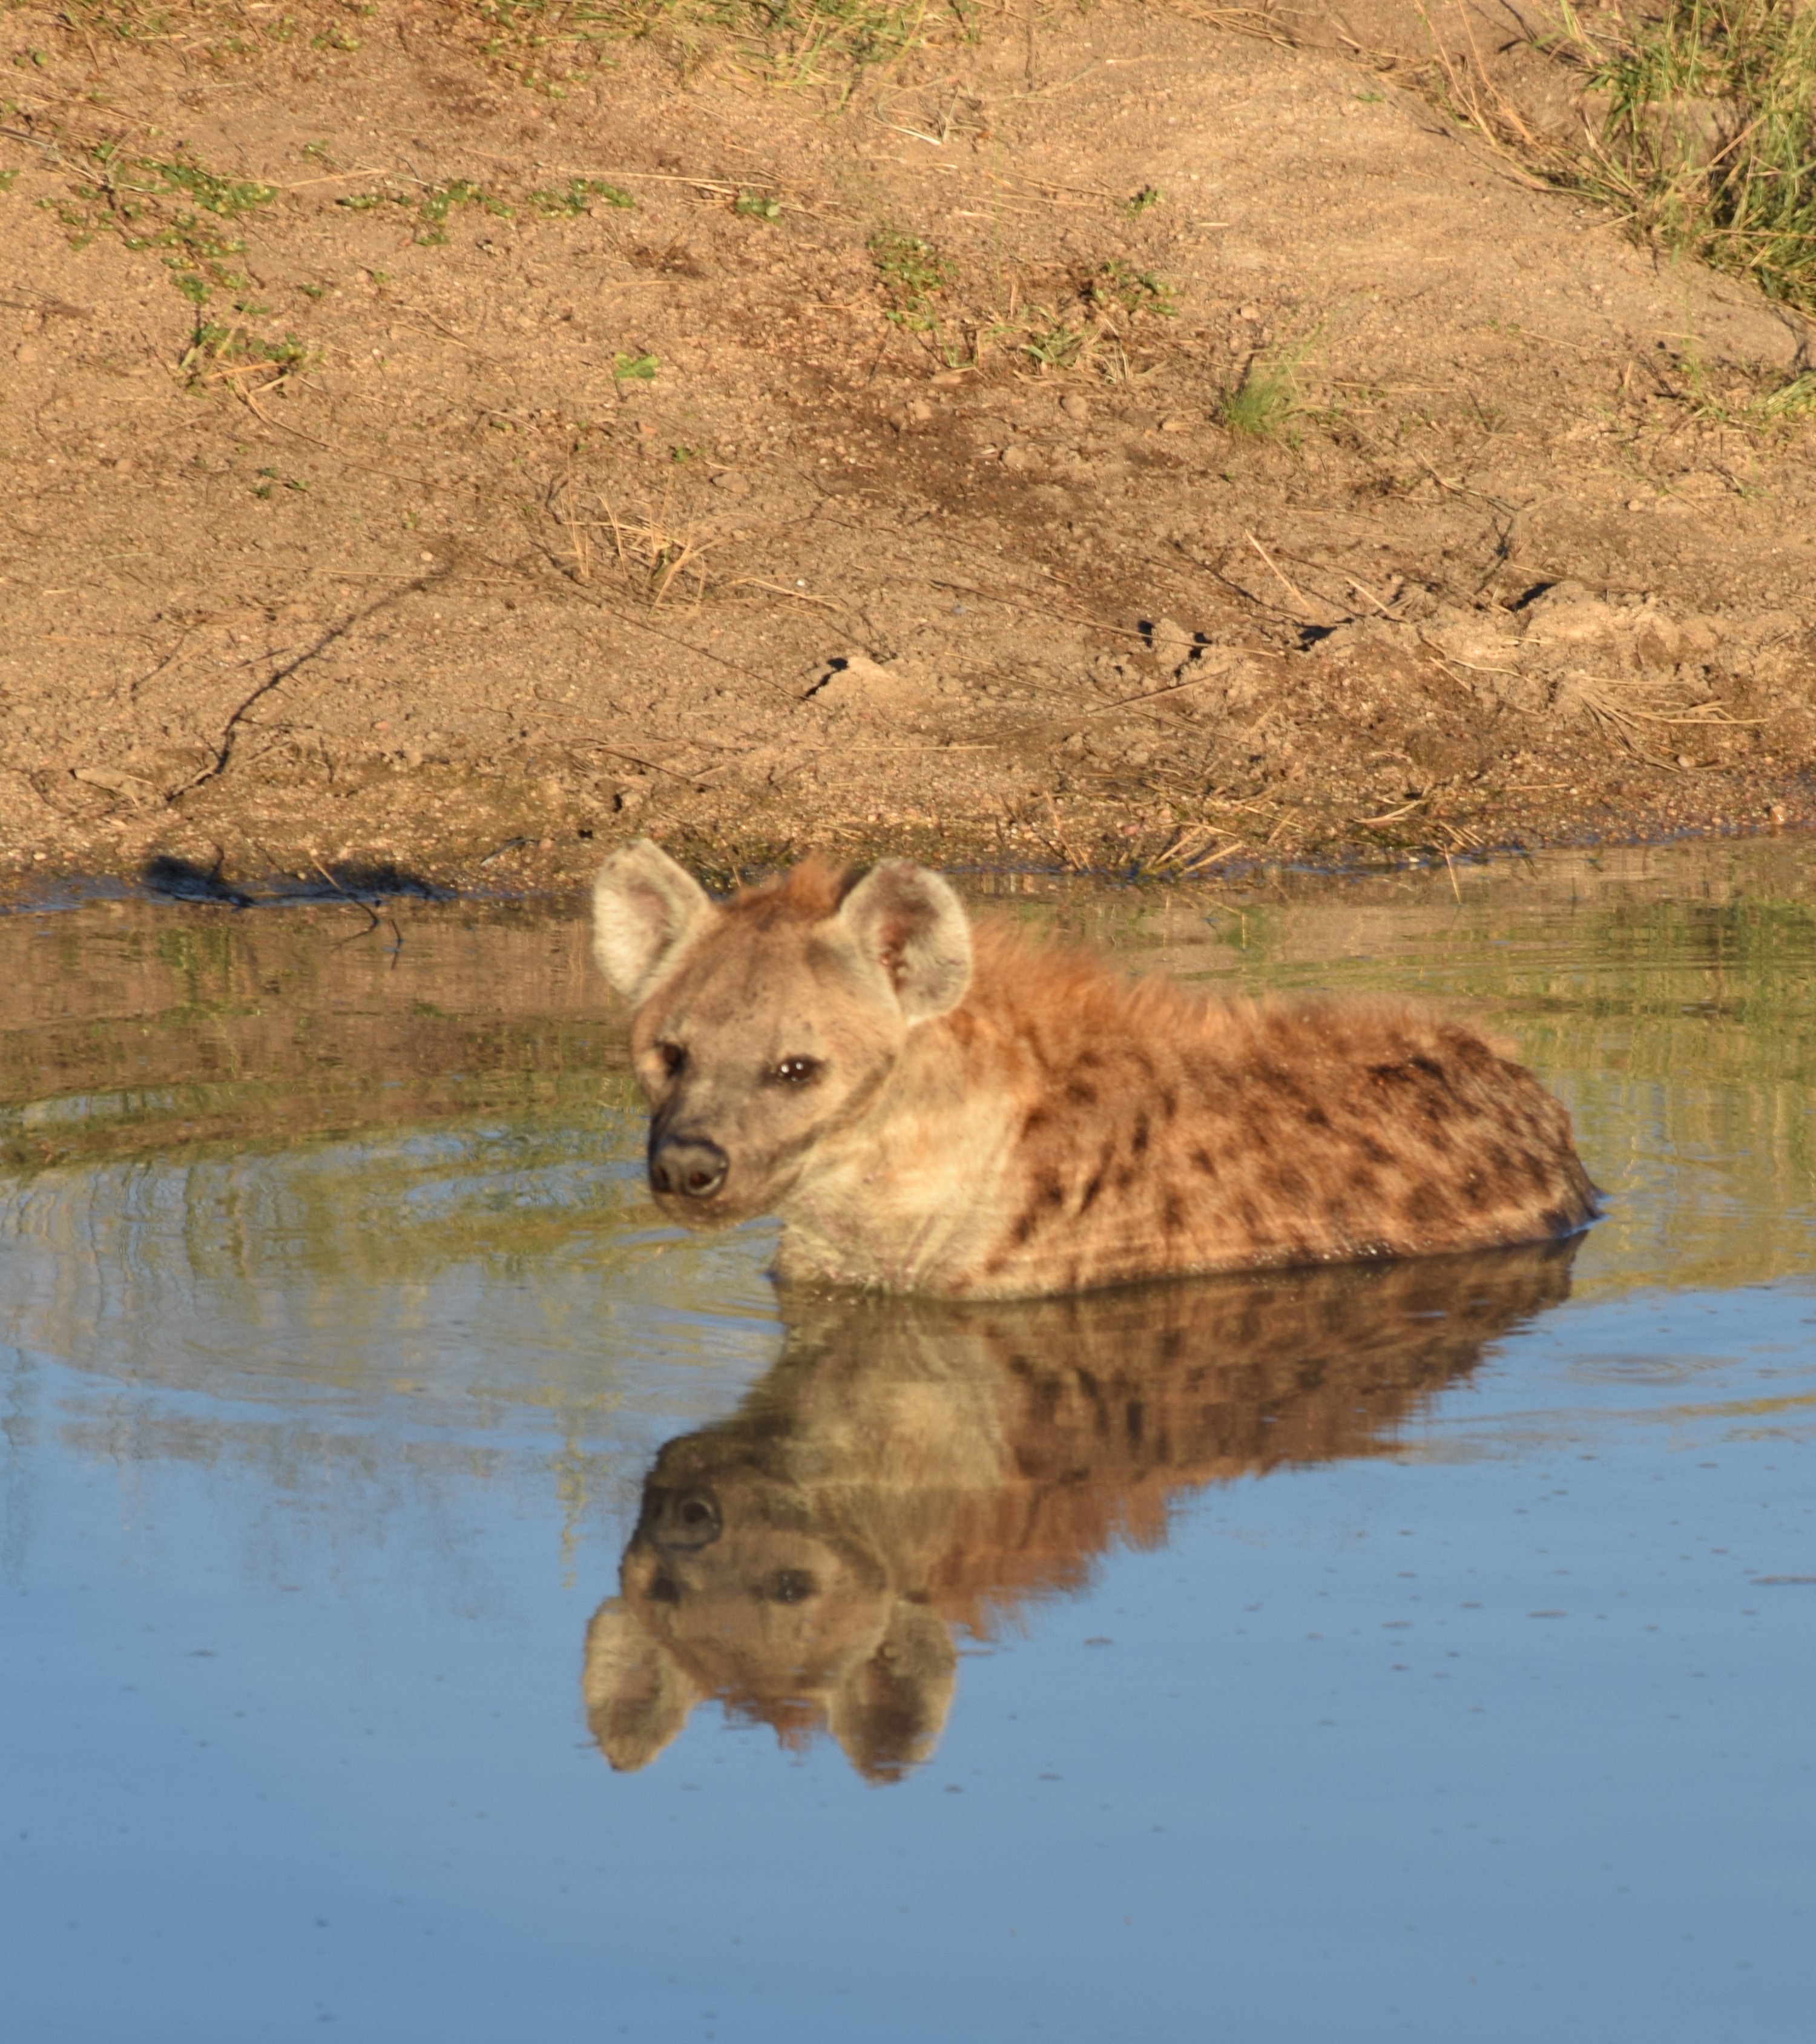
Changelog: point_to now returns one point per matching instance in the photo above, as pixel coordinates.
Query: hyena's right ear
(645, 910)
(637, 1699)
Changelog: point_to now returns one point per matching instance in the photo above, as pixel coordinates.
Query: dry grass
(1635, 710)
(1193, 849)
(1698, 125)
(1106, 318)
(656, 553)
(545, 44)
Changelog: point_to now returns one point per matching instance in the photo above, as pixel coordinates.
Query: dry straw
(1695, 122)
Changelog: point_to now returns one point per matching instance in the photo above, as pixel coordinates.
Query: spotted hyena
(931, 1107)
(913, 1471)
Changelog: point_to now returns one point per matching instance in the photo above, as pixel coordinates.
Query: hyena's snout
(689, 1167)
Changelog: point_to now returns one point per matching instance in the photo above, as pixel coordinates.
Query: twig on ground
(1298, 595)
(1392, 816)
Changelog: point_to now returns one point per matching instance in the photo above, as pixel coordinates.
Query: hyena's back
(1164, 1134)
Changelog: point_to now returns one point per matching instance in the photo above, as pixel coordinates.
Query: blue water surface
(1491, 1722)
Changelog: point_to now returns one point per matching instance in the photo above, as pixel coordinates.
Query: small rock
(1657, 644)
(731, 483)
(1075, 407)
(1359, 634)
(1168, 641)
(856, 682)
(1567, 615)
(1473, 637)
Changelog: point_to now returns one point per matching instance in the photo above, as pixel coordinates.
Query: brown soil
(458, 590)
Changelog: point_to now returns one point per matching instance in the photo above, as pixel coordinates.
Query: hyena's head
(768, 1022)
(741, 1584)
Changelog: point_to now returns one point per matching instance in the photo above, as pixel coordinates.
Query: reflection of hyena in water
(912, 1466)
(989, 1120)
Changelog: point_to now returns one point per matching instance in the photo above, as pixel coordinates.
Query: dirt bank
(430, 450)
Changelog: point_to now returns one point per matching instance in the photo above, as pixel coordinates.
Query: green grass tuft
(1794, 400)
(1264, 405)
(178, 208)
(913, 274)
(1119, 284)
(577, 198)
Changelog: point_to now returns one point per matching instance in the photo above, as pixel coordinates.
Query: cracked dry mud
(492, 536)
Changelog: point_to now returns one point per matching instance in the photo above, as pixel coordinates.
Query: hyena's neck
(912, 1191)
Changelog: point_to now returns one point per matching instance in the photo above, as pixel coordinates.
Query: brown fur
(909, 1467)
(1161, 1131)
(808, 892)
(988, 1119)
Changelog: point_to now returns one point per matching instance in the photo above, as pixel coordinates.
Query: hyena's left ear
(637, 1699)
(645, 910)
(911, 923)
(889, 1711)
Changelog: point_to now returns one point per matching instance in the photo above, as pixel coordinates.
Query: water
(1417, 1652)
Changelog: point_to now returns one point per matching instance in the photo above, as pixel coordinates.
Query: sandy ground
(757, 464)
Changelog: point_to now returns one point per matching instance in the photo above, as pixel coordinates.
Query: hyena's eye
(789, 1586)
(796, 1071)
(672, 1056)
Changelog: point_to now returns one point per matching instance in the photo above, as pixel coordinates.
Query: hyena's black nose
(688, 1165)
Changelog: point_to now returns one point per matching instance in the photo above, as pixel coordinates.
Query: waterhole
(442, 1601)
